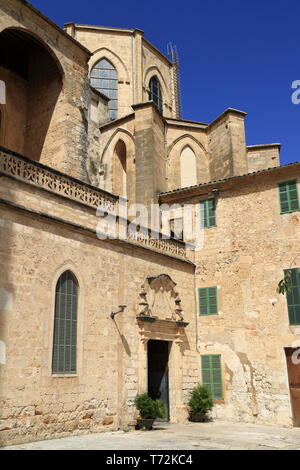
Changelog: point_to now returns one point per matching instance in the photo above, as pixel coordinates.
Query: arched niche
(188, 167)
(120, 169)
(177, 158)
(107, 163)
(34, 80)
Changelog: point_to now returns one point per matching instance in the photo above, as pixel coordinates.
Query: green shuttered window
(208, 301)
(212, 375)
(65, 325)
(208, 213)
(288, 195)
(293, 297)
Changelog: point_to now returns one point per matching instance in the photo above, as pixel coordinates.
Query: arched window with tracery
(104, 77)
(155, 93)
(65, 325)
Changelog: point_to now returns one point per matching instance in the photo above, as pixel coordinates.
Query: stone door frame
(164, 331)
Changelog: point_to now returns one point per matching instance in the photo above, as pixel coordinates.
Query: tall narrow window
(293, 296)
(65, 325)
(212, 375)
(208, 213)
(288, 194)
(104, 78)
(188, 168)
(155, 93)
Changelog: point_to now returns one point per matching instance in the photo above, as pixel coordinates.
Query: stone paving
(192, 436)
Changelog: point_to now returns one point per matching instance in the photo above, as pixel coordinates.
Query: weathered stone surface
(48, 225)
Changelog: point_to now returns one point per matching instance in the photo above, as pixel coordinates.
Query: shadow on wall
(33, 85)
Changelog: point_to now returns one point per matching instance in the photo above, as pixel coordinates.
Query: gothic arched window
(65, 325)
(155, 93)
(104, 78)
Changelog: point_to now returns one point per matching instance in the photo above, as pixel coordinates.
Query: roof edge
(103, 28)
(264, 146)
(113, 122)
(157, 50)
(192, 189)
(228, 111)
(185, 121)
(54, 25)
(131, 31)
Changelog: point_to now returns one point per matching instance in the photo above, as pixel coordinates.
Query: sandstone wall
(112, 355)
(13, 136)
(227, 145)
(245, 255)
(263, 156)
(67, 148)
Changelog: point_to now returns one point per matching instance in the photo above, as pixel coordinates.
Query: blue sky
(235, 53)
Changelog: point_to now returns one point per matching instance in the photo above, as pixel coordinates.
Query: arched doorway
(33, 85)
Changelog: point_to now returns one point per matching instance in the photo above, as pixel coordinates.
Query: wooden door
(293, 367)
(158, 372)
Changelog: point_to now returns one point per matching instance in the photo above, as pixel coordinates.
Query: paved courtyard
(192, 436)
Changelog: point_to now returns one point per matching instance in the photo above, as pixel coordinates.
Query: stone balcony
(31, 172)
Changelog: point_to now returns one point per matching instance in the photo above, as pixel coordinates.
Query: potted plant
(200, 403)
(149, 410)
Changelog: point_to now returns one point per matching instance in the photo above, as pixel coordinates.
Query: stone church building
(89, 114)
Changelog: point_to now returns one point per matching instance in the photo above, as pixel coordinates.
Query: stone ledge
(44, 177)
(149, 319)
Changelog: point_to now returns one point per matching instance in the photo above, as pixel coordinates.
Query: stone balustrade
(36, 174)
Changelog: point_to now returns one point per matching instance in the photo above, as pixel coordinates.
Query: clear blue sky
(243, 54)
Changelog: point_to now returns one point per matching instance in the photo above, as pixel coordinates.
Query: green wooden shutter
(206, 375)
(212, 375)
(208, 213)
(65, 325)
(208, 301)
(288, 195)
(293, 297)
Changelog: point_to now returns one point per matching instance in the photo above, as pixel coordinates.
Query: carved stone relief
(159, 298)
